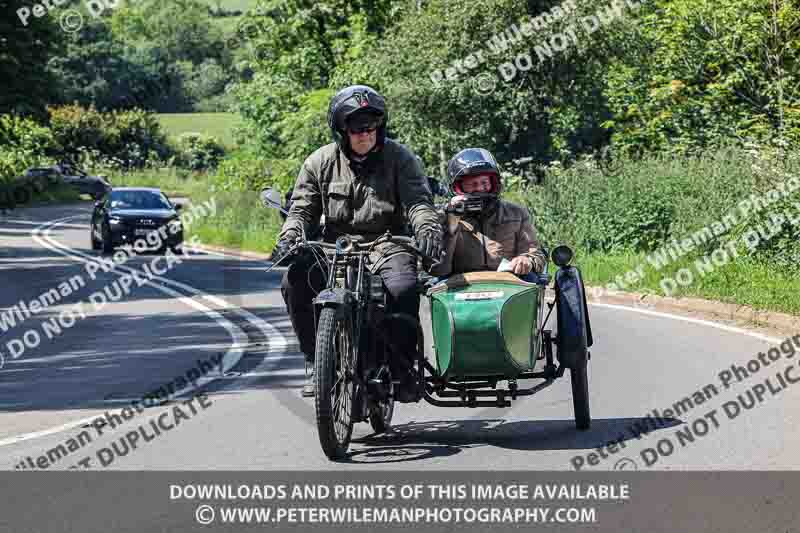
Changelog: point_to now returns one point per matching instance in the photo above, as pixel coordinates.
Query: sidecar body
(485, 324)
(489, 327)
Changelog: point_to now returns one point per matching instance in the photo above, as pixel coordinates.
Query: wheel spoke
(336, 403)
(330, 393)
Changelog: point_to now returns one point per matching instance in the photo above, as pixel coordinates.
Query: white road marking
(231, 357)
(699, 321)
(20, 221)
(277, 342)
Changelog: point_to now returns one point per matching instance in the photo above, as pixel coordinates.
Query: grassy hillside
(220, 125)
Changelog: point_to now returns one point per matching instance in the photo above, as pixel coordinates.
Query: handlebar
(265, 198)
(364, 246)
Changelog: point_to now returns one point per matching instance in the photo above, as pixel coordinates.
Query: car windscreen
(138, 200)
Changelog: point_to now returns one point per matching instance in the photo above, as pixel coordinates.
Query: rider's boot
(308, 386)
(406, 391)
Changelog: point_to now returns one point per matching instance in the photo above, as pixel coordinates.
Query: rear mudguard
(340, 299)
(574, 328)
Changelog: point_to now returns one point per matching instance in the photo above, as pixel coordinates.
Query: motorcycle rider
(481, 229)
(364, 184)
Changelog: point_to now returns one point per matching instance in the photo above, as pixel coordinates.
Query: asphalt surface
(225, 308)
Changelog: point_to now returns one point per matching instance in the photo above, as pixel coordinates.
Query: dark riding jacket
(383, 192)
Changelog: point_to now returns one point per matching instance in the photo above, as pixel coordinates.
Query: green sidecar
(489, 327)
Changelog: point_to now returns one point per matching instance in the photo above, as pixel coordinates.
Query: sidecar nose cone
(562, 255)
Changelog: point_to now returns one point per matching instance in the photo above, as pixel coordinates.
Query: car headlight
(114, 221)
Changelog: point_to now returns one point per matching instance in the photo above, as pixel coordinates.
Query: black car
(94, 186)
(126, 215)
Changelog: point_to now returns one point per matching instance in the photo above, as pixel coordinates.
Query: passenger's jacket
(482, 243)
(384, 192)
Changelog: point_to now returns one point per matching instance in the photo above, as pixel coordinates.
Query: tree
(24, 51)
(549, 109)
(297, 45)
(713, 71)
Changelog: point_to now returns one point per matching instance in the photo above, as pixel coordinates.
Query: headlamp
(344, 244)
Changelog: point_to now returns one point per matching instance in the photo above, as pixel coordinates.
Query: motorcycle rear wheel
(334, 387)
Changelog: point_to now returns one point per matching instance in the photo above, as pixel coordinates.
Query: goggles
(364, 126)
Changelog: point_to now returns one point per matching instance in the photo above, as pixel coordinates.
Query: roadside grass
(608, 210)
(172, 181)
(742, 281)
(241, 222)
(219, 125)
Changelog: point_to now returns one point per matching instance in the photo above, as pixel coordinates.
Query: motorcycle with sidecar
(488, 328)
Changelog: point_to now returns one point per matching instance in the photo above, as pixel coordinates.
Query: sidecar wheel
(334, 388)
(580, 396)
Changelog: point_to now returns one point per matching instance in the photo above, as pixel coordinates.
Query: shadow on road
(444, 437)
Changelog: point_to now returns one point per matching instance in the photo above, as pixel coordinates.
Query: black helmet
(472, 162)
(353, 100)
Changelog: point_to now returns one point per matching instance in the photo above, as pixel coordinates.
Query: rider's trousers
(302, 283)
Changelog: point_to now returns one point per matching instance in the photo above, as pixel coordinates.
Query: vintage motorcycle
(487, 327)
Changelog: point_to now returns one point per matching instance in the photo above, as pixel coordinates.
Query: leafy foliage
(24, 51)
(297, 45)
(243, 171)
(128, 138)
(635, 204)
(199, 152)
(23, 143)
(707, 70)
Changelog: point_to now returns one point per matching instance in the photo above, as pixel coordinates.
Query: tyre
(580, 396)
(108, 245)
(334, 388)
(95, 244)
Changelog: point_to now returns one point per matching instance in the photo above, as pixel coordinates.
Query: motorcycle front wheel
(334, 387)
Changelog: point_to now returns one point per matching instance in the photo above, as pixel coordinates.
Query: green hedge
(638, 205)
(197, 151)
(23, 143)
(127, 139)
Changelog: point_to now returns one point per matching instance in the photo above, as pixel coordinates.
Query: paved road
(223, 308)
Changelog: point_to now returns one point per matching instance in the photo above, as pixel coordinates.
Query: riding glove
(281, 250)
(429, 242)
